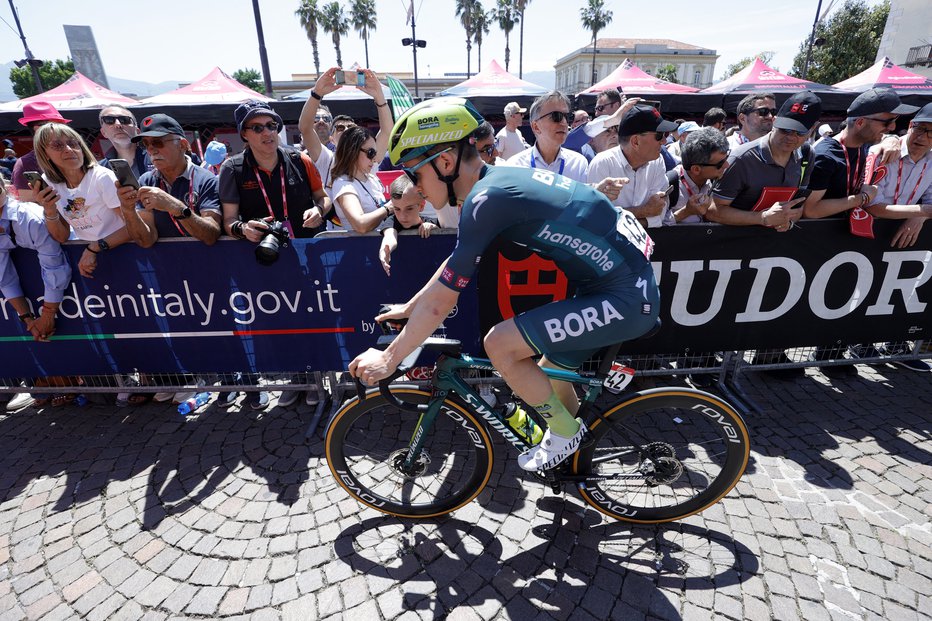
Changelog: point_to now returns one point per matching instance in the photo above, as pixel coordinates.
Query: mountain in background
(131, 88)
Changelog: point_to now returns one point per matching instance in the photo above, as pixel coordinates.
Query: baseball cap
(878, 100)
(158, 125)
(924, 115)
(215, 153)
(251, 109)
(688, 126)
(799, 113)
(514, 108)
(640, 119)
(36, 111)
(825, 130)
(598, 125)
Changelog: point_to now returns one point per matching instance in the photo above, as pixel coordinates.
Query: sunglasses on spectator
(323, 118)
(556, 116)
(411, 173)
(155, 143)
(598, 109)
(792, 132)
(884, 121)
(717, 166)
(764, 112)
(258, 128)
(124, 120)
(340, 127)
(487, 150)
(658, 136)
(370, 152)
(59, 145)
(919, 130)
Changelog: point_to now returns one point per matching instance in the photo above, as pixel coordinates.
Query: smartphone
(360, 79)
(339, 77)
(669, 190)
(802, 193)
(124, 173)
(33, 176)
(650, 102)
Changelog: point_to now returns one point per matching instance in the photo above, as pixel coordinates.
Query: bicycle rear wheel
(368, 441)
(692, 448)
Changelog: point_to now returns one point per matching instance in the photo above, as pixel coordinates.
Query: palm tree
(480, 24)
(520, 5)
(668, 73)
(595, 17)
(504, 13)
(465, 10)
(309, 15)
(362, 15)
(335, 22)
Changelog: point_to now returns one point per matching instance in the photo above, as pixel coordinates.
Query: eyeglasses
(919, 130)
(411, 173)
(717, 166)
(658, 136)
(156, 143)
(124, 120)
(598, 109)
(340, 127)
(764, 112)
(792, 132)
(884, 121)
(59, 145)
(556, 116)
(487, 150)
(370, 152)
(318, 119)
(258, 128)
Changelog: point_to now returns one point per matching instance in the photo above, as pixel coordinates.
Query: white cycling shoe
(552, 450)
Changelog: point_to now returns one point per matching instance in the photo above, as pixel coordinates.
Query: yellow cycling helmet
(432, 122)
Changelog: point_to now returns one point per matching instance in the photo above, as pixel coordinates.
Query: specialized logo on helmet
(432, 138)
(429, 122)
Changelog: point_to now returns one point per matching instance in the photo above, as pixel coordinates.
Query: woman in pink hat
(35, 115)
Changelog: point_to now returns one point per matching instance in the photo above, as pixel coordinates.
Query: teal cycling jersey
(588, 239)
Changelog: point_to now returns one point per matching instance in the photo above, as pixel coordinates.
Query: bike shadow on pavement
(520, 568)
(182, 460)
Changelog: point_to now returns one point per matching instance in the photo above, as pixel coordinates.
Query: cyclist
(604, 252)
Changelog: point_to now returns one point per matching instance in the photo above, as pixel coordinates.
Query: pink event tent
(215, 87)
(632, 79)
(886, 74)
(494, 81)
(75, 93)
(759, 77)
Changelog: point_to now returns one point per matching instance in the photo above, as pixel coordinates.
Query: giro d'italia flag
(401, 96)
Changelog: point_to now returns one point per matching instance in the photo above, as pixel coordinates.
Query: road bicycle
(653, 456)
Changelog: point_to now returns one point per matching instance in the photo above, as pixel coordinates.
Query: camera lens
(267, 250)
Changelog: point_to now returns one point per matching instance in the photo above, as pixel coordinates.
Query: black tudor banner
(735, 288)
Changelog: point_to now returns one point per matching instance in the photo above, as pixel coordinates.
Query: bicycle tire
(366, 439)
(709, 444)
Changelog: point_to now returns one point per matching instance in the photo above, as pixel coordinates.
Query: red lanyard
(852, 187)
(268, 203)
(899, 172)
(689, 191)
(741, 138)
(164, 186)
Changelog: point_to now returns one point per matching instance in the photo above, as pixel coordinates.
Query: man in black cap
(839, 162)
(177, 199)
(763, 175)
(640, 135)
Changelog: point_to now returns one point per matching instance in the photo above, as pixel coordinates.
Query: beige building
(907, 36)
(695, 65)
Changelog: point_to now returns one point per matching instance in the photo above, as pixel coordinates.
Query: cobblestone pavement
(139, 514)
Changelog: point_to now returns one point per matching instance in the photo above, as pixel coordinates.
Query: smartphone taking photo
(340, 77)
(33, 176)
(360, 79)
(124, 173)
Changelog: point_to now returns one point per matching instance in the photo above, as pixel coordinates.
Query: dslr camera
(276, 238)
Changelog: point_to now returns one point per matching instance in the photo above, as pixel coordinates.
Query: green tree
(595, 17)
(466, 10)
(480, 23)
(250, 78)
(336, 23)
(52, 74)
(505, 14)
(520, 6)
(310, 15)
(732, 69)
(668, 73)
(851, 37)
(362, 16)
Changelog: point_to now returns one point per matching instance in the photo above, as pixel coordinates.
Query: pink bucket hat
(41, 111)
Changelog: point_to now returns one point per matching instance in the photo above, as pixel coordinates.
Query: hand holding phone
(124, 173)
(360, 79)
(35, 177)
(339, 77)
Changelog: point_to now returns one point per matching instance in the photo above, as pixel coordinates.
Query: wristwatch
(103, 245)
(185, 214)
(26, 316)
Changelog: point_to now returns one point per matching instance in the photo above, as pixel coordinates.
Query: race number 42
(618, 378)
(629, 226)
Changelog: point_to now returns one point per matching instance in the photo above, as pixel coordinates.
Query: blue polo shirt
(196, 187)
(140, 164)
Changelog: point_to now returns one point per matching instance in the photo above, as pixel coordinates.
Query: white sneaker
(163, 397)
(19, 401)
(552, 450)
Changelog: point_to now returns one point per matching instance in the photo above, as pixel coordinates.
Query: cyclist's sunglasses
(411, 173)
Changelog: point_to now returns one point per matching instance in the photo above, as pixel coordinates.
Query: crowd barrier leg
(730, 383)
(324, 399)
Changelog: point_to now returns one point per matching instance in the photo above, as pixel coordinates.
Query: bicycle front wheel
(662, 455)
(367, 446)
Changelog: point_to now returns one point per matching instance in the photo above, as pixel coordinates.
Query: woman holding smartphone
(80, 197)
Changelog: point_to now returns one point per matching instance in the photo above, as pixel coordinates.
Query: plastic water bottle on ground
(193, 403)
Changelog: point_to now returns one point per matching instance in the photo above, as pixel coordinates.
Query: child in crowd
(407, 205)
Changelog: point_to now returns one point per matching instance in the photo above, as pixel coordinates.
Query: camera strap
(268, 203)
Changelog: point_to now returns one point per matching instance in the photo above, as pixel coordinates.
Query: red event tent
(77, 92)
(494, 81)
(887, 74)
(215, 87)
(633, 80)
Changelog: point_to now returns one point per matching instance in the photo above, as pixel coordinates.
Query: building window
(697, 76)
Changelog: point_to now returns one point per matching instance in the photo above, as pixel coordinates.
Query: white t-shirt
(92, 209)
(324, 165)
(369, 194)
(643, 182)
(509, 143)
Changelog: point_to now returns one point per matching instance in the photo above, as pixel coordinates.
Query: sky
(182, 40)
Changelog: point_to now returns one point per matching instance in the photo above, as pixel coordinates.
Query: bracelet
(236, 229)
(25, 316)
(865, 198)
(315, 95)
(57, 217)
(381, 105)
(388, 212)
(88, 248)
